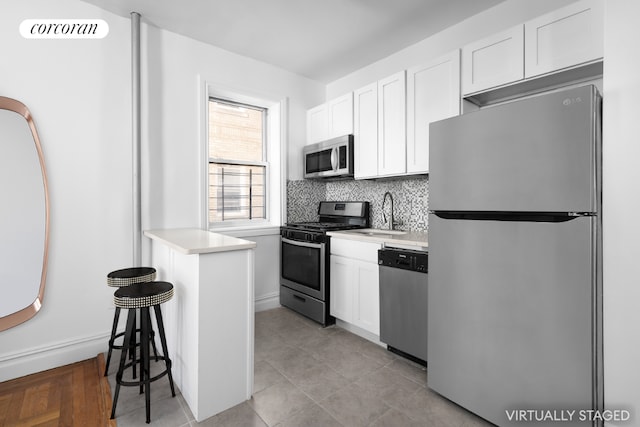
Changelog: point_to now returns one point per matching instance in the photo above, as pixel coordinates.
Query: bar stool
(119, 279)
(142, 296)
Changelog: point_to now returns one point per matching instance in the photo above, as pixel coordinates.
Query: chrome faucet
(384, 215)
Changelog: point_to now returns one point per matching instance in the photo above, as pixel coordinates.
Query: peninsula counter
(210, 321)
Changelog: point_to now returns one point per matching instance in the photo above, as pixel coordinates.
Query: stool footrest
(142, 382)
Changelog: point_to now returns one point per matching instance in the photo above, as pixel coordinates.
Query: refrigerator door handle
(511, 216)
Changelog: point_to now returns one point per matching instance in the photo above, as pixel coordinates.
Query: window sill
(248, 231)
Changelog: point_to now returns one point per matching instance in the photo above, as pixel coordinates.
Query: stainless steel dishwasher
(403, 301)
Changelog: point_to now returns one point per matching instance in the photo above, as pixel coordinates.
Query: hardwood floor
(72, 395)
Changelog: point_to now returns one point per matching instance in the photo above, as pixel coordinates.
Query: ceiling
(320, 39)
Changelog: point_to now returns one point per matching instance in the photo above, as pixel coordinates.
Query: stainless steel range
(304, 258)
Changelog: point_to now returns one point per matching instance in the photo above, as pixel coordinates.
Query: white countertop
(387, 237)
(197, 241)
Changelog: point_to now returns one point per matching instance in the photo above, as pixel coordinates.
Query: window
(237, 152)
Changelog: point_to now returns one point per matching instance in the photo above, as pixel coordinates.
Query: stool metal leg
(114, 328)
(165, 350)
(152, 336)
(129, 332)
(145, 374)
(134, 298)
(133, 344)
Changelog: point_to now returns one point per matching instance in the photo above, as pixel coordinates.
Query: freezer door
(511, 315)
(537, 154)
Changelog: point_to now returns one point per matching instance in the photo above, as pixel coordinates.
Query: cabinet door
(433, 93)
(392, 141)
(563, 38)
(365, 131)
(340, 111)
(366, 310)
(493, 61)
(317, 124)
(341, 292)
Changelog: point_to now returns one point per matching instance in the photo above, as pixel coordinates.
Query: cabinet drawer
(354, 249)
(302, 303)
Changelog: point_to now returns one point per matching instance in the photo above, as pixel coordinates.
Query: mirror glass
(24, 217)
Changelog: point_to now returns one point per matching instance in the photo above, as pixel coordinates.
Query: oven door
(302, 267)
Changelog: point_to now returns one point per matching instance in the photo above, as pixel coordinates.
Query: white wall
(172, 66)
(175, 70)
(500, 17)
(79, 94)
(267, 265)
(621, 204)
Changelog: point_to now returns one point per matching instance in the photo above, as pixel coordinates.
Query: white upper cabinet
(433, 93)
(317, 124)
(392, 141)
(331, 119)
(340, 112)
(365, 131)
(564, 38)
(493, 61)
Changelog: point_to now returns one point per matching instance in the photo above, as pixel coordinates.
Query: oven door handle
(305, 244)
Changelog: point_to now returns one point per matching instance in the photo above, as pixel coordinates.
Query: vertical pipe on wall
(136, 137)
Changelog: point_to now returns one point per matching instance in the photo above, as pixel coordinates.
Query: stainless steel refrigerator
(514, 307)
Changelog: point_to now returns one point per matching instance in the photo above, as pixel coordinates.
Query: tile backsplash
(303, 198)
(410, 199)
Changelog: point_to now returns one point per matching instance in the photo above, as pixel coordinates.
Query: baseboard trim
(62, 353)
(360, 332)
(267, 302)
(59, 354)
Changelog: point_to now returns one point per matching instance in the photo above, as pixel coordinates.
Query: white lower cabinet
(366, 297)
(355, 292)
(341, 295)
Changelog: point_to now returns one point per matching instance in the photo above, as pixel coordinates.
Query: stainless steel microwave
(329, 159)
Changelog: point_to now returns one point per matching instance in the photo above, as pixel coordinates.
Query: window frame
(263, 163)
(276, 155)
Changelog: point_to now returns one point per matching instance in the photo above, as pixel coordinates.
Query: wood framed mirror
(24, 216)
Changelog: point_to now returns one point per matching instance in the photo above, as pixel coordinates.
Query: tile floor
(307, 376)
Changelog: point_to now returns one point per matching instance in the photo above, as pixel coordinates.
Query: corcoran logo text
(64, 28)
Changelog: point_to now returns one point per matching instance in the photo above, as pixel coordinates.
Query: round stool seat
(129, 276)
(140, 295)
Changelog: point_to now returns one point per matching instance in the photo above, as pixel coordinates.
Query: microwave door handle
(334, 158)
